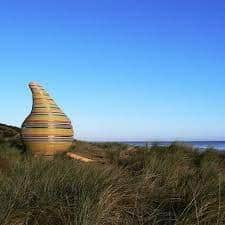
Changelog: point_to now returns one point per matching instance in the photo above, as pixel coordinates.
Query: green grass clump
(175, 185)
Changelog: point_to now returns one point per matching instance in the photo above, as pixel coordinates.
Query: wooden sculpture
(47, 130)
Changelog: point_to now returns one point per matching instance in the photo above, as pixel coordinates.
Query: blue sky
(121, 70)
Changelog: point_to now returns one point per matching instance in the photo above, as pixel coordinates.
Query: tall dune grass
(174, 185)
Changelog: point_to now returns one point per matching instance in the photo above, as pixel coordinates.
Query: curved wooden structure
(47, 130)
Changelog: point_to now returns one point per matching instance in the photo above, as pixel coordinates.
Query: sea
(202, 145)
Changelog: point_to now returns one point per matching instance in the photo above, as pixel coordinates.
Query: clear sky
(120, 69)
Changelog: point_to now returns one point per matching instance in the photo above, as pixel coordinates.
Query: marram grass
(175, 185)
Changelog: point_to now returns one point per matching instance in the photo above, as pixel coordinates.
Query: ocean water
(219, 145)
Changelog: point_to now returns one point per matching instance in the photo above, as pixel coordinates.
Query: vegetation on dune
(10, 134)
(175, 185)
(126, 186)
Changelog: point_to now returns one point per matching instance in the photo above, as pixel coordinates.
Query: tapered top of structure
(33, 83)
